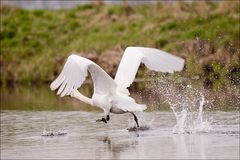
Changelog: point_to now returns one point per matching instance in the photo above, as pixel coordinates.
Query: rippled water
(21, 136)
(27, 113)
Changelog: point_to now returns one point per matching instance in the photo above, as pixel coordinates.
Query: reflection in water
(114, 148)
(41, 98)
(198, 145)
(21, 137)
(23, 122)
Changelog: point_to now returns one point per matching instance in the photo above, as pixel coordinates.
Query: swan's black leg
(135, 118)
(100, 120)
(108, 118)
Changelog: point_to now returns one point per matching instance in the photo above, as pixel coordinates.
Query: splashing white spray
(143, 123)
(54, 133)
(186, 103)
(187, 122)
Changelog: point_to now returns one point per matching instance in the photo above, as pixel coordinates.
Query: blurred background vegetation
(36, 43)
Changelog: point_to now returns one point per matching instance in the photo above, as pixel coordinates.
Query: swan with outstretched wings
(112, 95)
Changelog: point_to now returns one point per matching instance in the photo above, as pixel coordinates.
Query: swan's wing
(75, 72)
(154, 59)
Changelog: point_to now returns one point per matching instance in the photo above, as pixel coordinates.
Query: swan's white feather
(115, 91)
(127, 103)
(154, 59)
(75, 72)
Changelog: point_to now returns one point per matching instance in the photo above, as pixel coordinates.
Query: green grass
(30, 40)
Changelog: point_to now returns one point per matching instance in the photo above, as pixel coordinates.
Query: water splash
(143, 124)
(54, 133)
(186, 102)
(187, 122)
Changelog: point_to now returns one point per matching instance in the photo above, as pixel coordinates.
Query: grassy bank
(34, 44)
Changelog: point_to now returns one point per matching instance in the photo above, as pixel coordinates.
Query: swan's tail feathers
(140, 107)
(128, 104)
(133, 107)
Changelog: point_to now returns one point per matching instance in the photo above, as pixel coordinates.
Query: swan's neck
(81, 97)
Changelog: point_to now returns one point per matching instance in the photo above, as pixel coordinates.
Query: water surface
(21, 137)
(27, 112)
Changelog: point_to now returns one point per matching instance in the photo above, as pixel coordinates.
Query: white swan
(112, 95)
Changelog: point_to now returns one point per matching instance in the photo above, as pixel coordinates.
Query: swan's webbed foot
(102, 119)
